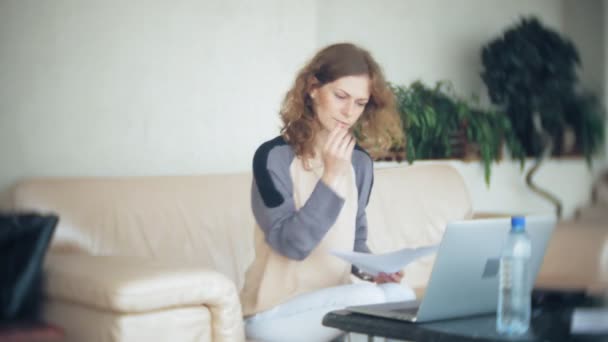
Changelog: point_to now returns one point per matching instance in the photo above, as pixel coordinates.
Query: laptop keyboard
(397, 310)
(409, 311)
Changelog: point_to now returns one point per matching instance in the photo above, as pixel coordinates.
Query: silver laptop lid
(464, 279)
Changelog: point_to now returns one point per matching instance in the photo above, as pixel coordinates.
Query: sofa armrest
(128, 284)
(576, 257)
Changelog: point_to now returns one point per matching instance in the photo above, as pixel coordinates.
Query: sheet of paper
(589, 321)
(388, 262)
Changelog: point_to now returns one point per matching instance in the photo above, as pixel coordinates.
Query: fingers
(350, 147)
(395, 278)
(337, 154)
(343, 144)
(383, 278)
(338, 142)
(331, 138)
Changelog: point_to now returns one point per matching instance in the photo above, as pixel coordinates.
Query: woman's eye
(361, 104)
(342, 97)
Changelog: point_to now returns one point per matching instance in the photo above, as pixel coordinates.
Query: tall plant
(530, 72)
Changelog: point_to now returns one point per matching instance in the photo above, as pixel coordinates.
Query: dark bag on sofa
(24, 239)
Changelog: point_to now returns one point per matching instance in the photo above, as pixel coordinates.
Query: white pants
(299, 319)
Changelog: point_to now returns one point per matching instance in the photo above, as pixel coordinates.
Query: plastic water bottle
(514, 302)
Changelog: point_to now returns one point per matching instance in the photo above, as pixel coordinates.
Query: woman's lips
(345, 124)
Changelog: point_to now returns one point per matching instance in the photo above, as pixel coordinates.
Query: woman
(310, 189)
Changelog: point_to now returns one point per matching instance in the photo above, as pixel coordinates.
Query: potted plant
(430, 120)
(487, 130)
(440, 125)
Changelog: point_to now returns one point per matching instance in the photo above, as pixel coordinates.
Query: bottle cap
(518, 223)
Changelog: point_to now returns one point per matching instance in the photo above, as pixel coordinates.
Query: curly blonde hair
(378, 128)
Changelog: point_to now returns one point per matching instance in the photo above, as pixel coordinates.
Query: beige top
(273, 278)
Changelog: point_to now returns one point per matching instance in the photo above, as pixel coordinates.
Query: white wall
(430, 40)
(177, 87)
(568, 179)
(138, 87)
(583, 23)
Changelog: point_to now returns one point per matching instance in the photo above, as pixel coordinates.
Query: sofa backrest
(203, 218)
(411, 206)
(207, 218)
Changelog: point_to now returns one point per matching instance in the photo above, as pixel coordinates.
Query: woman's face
(341, 102)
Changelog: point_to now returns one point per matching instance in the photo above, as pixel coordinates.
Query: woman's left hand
(383, 278)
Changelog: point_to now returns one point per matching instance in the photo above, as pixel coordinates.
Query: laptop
(464, 279)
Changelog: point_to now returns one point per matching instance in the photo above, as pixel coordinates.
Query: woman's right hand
(337, 154)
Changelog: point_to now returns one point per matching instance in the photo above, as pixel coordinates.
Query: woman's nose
(346, 109)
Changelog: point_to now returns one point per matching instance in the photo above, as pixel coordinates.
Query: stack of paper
(388, 263)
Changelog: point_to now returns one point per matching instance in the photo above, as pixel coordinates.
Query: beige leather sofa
(163, 258)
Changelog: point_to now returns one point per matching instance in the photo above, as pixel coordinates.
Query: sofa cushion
(83, 323)
(133, 285)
